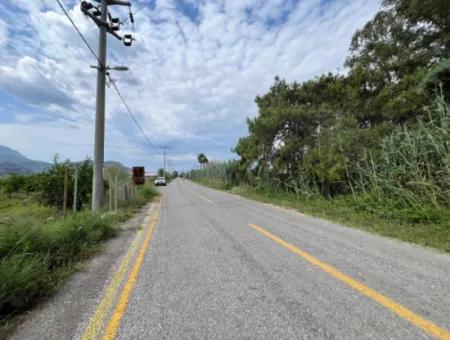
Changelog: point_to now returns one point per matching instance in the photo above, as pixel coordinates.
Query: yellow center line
(97, 320)
(398, 309)
(205, 198)
(114, 322)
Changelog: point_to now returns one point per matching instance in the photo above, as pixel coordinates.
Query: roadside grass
(430, 227)
(20, 205)
(39, 249)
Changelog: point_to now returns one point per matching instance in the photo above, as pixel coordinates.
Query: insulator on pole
(128, 39)
(115, 24)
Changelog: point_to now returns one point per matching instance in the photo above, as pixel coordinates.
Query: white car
(160, 181)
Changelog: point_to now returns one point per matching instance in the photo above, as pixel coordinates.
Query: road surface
(211, 265)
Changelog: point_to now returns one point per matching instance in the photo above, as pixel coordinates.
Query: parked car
(160, 181)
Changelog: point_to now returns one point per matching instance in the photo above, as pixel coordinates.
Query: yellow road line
(205, 198)
(98, 319)
(114, 322)
(398, 309)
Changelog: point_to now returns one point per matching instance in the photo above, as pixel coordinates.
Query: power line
(134, 14)
(113, 82)
(79, 32)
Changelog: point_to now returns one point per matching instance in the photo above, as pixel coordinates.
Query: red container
(139, 175)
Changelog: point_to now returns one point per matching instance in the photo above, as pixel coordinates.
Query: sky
(194, 72)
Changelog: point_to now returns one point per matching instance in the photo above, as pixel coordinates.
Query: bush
(51, 186)
(437, 80)
(22, 278)
(13, 183)
(147, 191)
(34, 256)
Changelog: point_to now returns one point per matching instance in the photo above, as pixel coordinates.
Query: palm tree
(202, 159)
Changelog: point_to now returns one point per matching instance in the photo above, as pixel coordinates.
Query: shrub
(147, 191)
(14, 183)
(33, 256)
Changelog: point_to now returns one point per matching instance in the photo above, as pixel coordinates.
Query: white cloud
(36, 82)
(192, 82)
(3, 33)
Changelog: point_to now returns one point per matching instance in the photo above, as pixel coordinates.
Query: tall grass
(39, 249)
(414, 165)
(34, 257)
(411, 169)
(403, 191)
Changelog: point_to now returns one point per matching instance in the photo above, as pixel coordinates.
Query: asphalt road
(210, 265)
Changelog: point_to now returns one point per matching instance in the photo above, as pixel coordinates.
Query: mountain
(110, 164)
(12, 161)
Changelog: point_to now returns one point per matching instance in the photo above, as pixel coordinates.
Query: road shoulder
(66, 314)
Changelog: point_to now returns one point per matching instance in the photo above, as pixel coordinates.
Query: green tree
(51, 186)
(202, 159)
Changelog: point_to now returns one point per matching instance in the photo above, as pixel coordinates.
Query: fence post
(66, 183)
(115, 193)
(75, 191)
(110, 192)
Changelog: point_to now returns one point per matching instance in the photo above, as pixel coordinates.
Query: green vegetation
(202, 160)
(362, 211)
(35, 257)
(39, 248)
(48, 187)
(371, 147)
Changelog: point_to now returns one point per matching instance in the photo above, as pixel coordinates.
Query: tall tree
(202, 159)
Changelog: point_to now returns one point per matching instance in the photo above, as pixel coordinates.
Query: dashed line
(205, 198)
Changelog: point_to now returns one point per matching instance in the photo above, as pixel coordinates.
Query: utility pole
(100, 16)
(164, 153)
(99, 142)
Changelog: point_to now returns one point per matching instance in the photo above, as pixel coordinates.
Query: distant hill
(12, 161)
(109, 164)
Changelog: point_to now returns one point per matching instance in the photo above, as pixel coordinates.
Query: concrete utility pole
(100, 16)
(164, 152)
(99, 142)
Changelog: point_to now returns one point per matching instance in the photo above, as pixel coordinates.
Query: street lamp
(115, 68)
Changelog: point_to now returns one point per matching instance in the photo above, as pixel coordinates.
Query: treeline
(47, 187)
(382, 128)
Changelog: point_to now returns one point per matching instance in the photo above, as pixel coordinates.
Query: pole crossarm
(95, 13)
(116, 2)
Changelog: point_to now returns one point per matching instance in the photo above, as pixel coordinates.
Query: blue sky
(195, 70)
